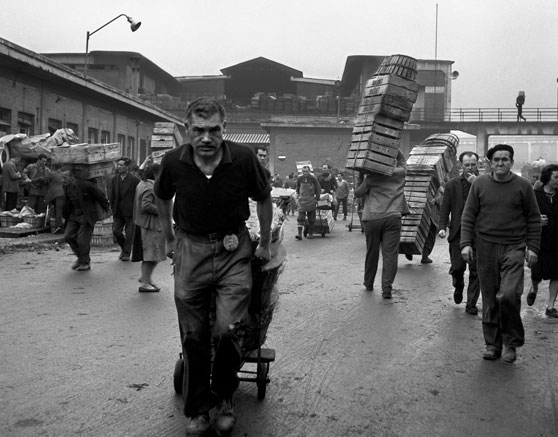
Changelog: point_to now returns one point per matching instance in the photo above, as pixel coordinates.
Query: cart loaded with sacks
(264, 298)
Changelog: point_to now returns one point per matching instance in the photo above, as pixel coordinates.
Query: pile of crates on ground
(385, 106)
(429, 165)
(166, 136)
(96, 162)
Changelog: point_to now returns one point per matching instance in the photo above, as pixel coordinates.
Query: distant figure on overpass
(519, 102)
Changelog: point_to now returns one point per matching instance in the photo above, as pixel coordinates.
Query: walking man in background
(384, 205)
(10, 182)
(81, 214)
(37, 174)
(308, 190)
(453, 202)
(342, 194)
(212, 180)
(502, 210)
(122, 196)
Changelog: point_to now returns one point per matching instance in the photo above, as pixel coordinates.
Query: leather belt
(213, 237)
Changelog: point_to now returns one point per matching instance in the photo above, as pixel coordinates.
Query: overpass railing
(472, 115)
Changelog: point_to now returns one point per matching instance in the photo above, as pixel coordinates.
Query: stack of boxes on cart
(429, 165)
(166, 136)
(95, 162)
(386, 105)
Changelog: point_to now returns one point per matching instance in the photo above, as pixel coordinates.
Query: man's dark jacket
(89, 196)
(123, 207)
(454, 203)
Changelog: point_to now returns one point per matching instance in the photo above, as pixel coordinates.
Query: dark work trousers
(123, 232)
(430, 240)
(203, 269)
(500, 268)
(457, 272)
(339, 203)
(384, 233)
(36, 203)
(78, 234)
(11, 201)
(58, 204)
(301, 219)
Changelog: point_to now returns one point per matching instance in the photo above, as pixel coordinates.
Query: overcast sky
(499, 47)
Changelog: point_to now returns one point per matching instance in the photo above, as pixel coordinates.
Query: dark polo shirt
(217, 204)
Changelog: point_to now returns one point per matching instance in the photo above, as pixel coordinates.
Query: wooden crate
(97, 170)
(102, 228)
(369, 166)
(390, 79)
(163, 144)
(102, 241)
(391, 90)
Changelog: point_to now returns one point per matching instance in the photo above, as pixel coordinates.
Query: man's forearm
(265, 216)
(165, 215)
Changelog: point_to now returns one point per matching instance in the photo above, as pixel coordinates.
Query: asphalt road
(86, 354)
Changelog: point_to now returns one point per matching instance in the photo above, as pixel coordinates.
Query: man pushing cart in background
(212, 180)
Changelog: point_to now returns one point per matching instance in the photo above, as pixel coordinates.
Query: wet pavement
(86, 354)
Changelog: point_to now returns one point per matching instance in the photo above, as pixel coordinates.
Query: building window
(130, 148)
(74, 127)
(122, 140)
(92, 135)
(25, 123)
(5, 120)
(105, 137)
(54, 125)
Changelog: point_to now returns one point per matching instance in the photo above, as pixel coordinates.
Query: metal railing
(482, 115)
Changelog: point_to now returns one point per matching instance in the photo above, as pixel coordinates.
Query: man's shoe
(198, 425)
(225, 418)
(472, 310)
(531, 296)
(125, 258)
(458, 295)
(409, 256)
(492, 354)
(425, 260)
(121, 255)
(75, 265)
(386, 294)
(84, 267)
(551, 312)
(369, 287)
(509, 355)
(310, 235)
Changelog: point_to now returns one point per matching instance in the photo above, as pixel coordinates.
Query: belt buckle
(213, 238)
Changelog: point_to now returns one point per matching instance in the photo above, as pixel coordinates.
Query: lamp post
(134, 25)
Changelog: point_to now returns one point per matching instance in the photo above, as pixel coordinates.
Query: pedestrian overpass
(484, 122)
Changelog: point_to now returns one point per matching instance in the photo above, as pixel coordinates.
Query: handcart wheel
(261, 379)
(178, 376)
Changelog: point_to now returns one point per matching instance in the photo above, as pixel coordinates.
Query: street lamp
(134, 25)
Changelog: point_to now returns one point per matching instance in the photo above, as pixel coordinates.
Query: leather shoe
(426, 260)
(386, 294)
(409, 256)
(458, 295)
(509, 355)
(369, 287)
(551, 312)
(531, 296)
(225, 418)
(84, 267)
(197, 425)
(148, 288)
(472, 310)
(492, 354)
(75, 265)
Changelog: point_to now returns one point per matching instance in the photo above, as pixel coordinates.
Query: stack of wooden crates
(95, 162)
(429, 165)
(386, 105)
(166, 136)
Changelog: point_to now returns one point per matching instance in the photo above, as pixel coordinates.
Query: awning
(247, 138)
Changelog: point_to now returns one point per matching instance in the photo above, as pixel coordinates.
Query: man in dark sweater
(502, 210)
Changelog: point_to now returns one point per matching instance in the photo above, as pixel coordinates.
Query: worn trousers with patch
(457, 272)
(384, 233)
(500, 268)
(202, 270)
(78, 234)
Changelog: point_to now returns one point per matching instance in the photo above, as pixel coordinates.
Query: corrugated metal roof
(247, 138)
